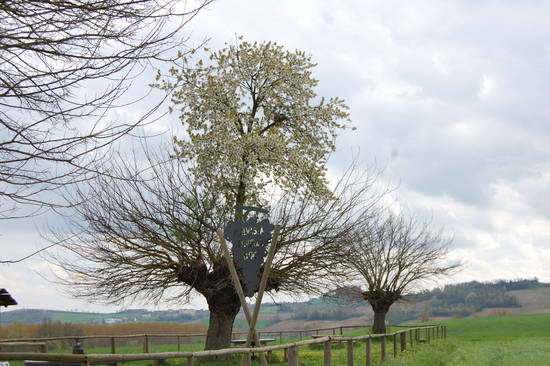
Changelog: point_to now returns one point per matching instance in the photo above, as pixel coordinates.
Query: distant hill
(450, 301)
(35, 316)
(470, 299)
(464, 299)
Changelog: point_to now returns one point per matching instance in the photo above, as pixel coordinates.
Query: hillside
(469, 299)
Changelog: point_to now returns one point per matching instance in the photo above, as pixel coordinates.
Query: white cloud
(487, 88)
(467, 130)
(442, 63)
(392, 93)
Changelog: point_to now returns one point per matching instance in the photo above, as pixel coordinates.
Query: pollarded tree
(253, 125)
(253, 119)
(151, 236)
(392, 254)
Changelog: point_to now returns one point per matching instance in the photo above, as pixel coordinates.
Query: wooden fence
(147, 339)
(401, 338)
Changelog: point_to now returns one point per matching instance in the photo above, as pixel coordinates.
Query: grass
(500, 328)
(519, 340)
(504, 341)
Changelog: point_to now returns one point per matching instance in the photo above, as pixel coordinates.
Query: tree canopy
(253, 119)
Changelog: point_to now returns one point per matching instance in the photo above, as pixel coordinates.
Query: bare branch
(53, 129)
(149, 235)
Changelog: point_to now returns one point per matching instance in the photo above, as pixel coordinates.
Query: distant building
(112, 320)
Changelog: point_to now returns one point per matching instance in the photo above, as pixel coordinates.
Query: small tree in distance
(393, 253)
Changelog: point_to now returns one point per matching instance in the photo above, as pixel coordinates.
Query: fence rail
(301, 333)
(291, 350)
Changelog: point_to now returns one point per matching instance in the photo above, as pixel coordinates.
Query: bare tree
(152, 237)
(392, 254)
(52, 54)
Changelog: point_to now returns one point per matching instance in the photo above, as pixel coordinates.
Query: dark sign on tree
(250, 238)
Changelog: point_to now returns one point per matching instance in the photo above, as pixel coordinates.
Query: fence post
(327, 354)
(113, 348)
(383, 348)
(333, 331)
(341, 331)
(146, 344)
(403, 336)
(285, 354)
(292, 356)
(368, 355)
(350, 352)
(280, 337)
(411, 338)
(178, 338)
(394, 340)
(427, 335)
(246, 359)
(190, 361)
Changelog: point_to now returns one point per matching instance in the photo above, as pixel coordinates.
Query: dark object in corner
(6, 299)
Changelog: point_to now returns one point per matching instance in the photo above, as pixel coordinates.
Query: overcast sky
(450, 97)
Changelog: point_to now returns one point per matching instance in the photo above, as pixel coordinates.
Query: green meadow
(521, 340)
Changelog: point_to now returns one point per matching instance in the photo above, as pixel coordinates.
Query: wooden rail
(303, 332)
(291, 350)
(146, 338)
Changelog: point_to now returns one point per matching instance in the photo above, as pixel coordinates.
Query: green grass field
(522, 340)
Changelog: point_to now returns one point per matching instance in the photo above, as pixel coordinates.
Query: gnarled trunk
(380, 301)
(224, 306)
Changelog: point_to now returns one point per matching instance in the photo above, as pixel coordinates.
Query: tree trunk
(219, 330)
(379, 324)
(380, 301)
(224, 306)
